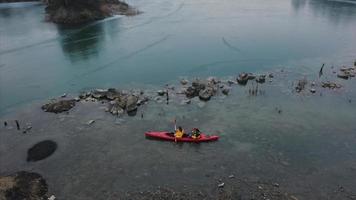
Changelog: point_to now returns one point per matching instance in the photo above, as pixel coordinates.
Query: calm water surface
(309, 148)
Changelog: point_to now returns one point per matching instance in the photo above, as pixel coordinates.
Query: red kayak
(170, 137)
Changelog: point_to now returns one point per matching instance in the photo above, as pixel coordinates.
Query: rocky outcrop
(203, 89)
(81, 11)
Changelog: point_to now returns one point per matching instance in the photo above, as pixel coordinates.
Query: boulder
(242, 79)
(343, 75)
(131, 103)
(161, 92)
(206, 94)
(116, 109)
(251, 76)
(184, 82)
(198, 85)
(191, 92)
(59, 106)
(225, 90)
(261, 79)
(112, 94)
(99, 93)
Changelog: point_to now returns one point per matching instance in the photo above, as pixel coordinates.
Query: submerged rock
(23, 186)
(330, 85)
(59, 106)
(41, 150)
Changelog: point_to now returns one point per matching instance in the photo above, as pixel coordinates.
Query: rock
(221, 185)
(198, 85)
(112, 94)
(23, 185)
(343, 75)
(276, 185)
(231, 176)
(330, 85)
(90, 122)
(186, 101)
(116, 109)
(184, 82)
(212, 80)
(251, 76)
(312, 90)
(131, 104)
(261, 79)
(270, 75)
(161, 92)
(41, 150)
(99, 93)
(84, 95)
(231, 82)
(225, 91)
(242, 78)
(191, 92)
(206, 94)
(301, 85)
(142, 100)
(313, 83)
(77, 99)
(59, 106)
(63, 95)
(29, 127)
(52, 197)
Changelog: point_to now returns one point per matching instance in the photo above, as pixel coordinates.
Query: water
(170, 39)
(308, 148)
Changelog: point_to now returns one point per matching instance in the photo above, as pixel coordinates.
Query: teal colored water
(170, 39)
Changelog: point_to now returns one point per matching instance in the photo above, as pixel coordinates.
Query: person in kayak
(178, 132)
(195, 133)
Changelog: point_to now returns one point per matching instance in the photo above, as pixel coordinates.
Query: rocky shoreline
(118, 102)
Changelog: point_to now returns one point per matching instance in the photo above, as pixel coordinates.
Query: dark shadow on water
(81, 43)
(41, 150)
(337, 11)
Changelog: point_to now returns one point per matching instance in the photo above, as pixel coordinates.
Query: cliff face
(80, 11)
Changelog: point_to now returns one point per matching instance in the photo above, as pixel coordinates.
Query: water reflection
(83, 44)
(337, 11)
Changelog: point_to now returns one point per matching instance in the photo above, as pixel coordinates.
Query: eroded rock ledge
(81, 11)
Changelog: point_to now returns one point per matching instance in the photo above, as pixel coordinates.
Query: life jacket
(179, 134)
